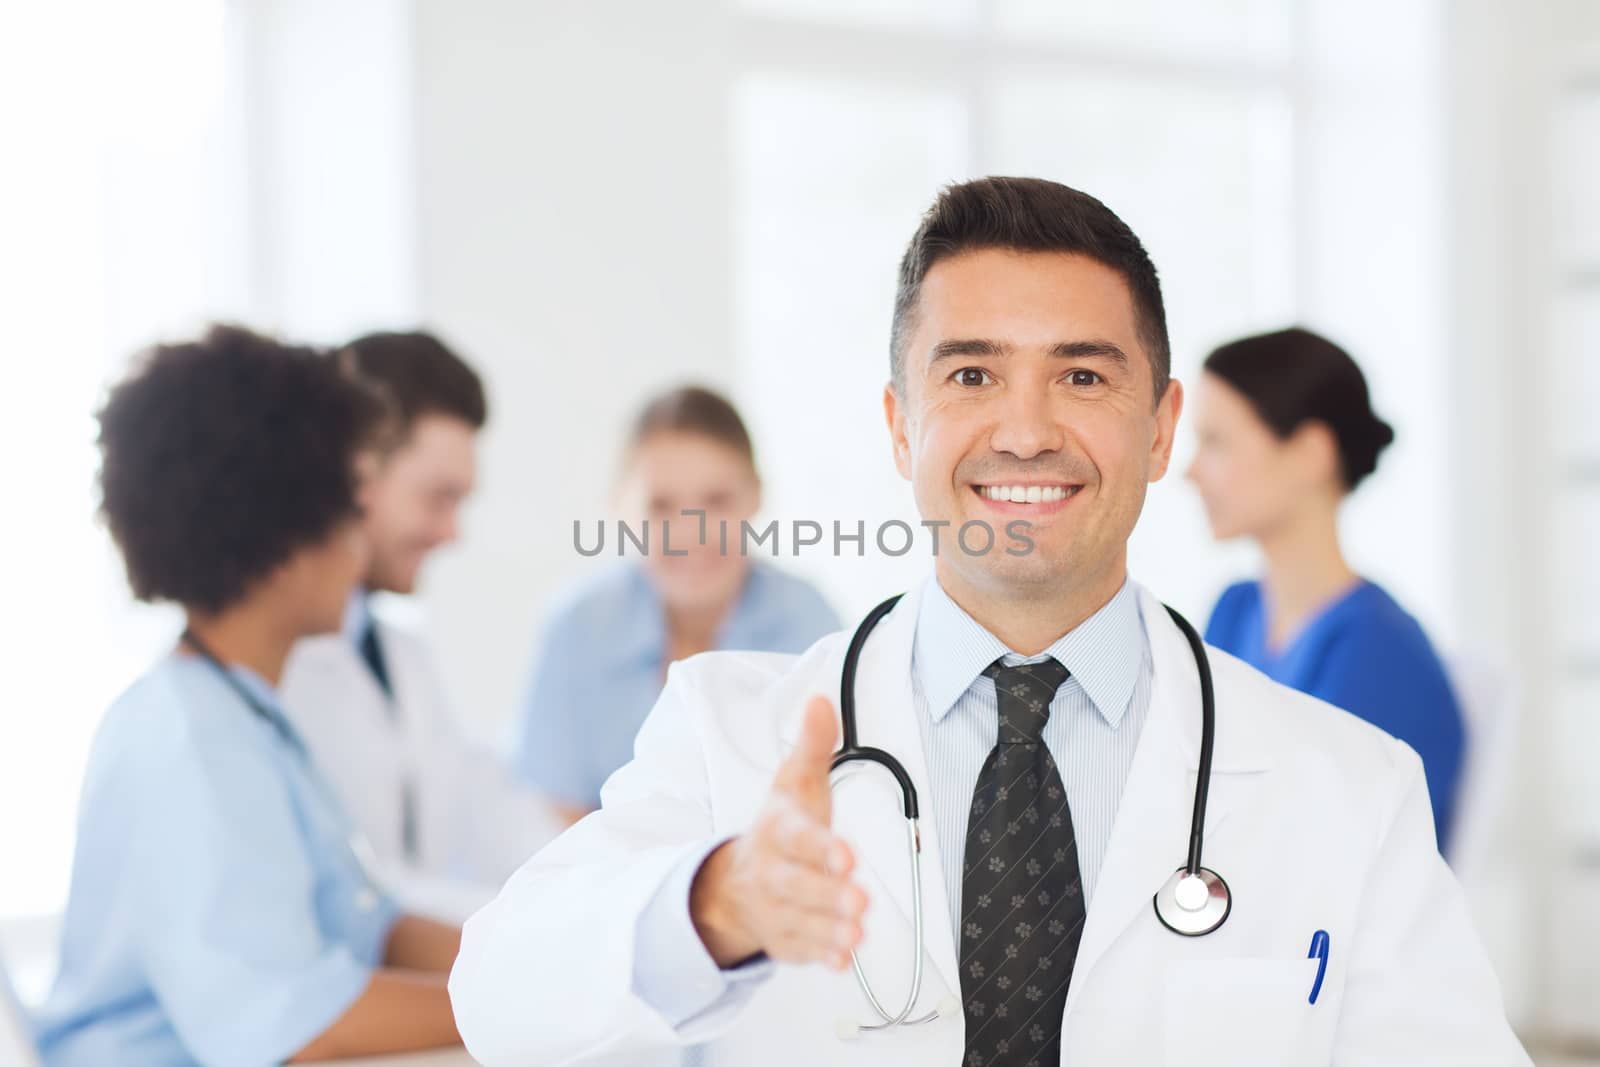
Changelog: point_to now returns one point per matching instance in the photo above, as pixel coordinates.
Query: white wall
(1515, 208)
(326, 143)
(329, 139)
(1371, 269)
(573, 198)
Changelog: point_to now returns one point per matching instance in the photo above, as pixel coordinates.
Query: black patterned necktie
(372, 652)
(1022, 905)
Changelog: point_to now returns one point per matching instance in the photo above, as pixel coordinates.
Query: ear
(894, 412)
(755, 494)
(1168, 409)
(1316, 451)
(370, 466)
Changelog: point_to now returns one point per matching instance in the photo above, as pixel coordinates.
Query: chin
(1012, 572)
(699, 588)
(403, 582)
(1225, 531)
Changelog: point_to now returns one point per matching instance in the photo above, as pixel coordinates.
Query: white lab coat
(1316, 820)
(475, 821)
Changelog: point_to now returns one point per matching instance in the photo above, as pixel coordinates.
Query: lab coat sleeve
(1420, 989)
(547, 970)
(672, 971)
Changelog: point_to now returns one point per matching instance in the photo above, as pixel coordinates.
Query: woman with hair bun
(1286, 432)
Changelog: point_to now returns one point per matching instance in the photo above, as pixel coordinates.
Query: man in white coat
(447, 821)
(1047, 711)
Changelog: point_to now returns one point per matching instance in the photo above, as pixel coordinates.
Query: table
(455, 1057)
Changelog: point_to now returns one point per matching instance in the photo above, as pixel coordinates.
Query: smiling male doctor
(716, 895)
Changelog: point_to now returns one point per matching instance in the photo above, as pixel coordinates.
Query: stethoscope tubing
(1208, 728)
(852, 751)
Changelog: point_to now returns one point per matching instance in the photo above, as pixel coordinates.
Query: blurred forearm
(569, 813)
(399, 1011)
(418, 944)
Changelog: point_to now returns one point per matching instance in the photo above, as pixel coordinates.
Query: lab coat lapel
(1150, 838)
(867, 803)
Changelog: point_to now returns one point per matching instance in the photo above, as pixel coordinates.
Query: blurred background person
(446, 818)
(605, 648)
(219, 912)
(1285, 433)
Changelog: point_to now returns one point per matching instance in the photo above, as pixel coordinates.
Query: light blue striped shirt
(1094, 726)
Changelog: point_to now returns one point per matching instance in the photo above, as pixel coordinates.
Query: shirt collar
(259, 688)
(259, 696)
(1104, 652)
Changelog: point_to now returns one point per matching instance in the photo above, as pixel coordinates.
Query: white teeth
(1026, 494)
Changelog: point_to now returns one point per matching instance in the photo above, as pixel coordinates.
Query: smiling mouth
(1027, 494)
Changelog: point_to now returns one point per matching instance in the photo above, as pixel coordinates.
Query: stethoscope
(1193, 902)
(361, 850)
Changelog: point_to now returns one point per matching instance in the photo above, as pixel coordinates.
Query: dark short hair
(693, 409)
(1029, 215)
(418, 375)
(1294, 376)
(222, 457)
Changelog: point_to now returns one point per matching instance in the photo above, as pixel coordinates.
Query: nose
(1028, 424)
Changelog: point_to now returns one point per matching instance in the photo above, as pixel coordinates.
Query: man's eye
(971, 376)
(1084, 377)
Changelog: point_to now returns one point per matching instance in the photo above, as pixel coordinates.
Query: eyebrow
(977, 346)
(1095, 349)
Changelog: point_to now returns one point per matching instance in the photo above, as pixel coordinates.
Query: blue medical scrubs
(1365, 654)
(599, 666)
(217, 914)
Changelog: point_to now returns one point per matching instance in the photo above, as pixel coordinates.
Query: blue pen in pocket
(1319, 952)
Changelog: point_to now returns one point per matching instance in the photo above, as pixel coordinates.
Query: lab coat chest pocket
(1242, 1012)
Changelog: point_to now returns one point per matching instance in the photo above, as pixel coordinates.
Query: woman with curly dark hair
(219, 912)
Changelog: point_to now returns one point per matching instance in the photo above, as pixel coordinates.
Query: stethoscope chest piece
(1193, 905)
